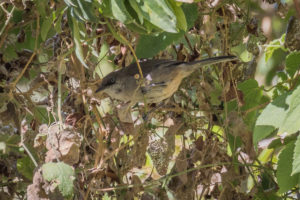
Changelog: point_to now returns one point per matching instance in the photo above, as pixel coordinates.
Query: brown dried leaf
(138, 187)
(63, 145)
(181, 165)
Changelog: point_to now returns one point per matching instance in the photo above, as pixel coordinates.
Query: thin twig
(59, 93)
(188, 42)
(9, 16)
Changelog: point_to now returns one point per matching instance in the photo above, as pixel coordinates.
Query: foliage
(60, 174)
(230, 132)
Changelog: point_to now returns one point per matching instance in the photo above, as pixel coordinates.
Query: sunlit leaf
(119, 11)
(78, 48)
(60, 174)
(273, 46)
(137, 9)
(296, 157)
(283, 114)
(86, 9)
(158, 13)
(155, 44)
(180, 16)
(285, 181)
(292, 62)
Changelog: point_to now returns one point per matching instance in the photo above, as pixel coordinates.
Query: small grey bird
(161, 80)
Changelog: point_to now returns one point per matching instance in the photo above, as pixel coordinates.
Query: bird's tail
(212, 61)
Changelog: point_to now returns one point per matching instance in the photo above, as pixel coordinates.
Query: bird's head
(108, 83)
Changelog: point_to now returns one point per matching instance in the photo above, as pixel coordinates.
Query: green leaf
(58, 18)
(9, 54)
(155, 44)
(105, 8)
(271, 118)
(76, 37)
(283, 114)
(261, 132)
(104, 67)
(273, 46)
(291, 122)
(85, 8)
(253, 97)
(137, 9)
(41, 7)
(296, 160)
(26, 167)
(70, 3)
(18, 16)
(285, 181)
(282, 75)
(46, 27)
(119, 11)
(43, 58)
(279, 141)
(60, 174)
(138, 28)
(292, 62)
(181, 21)
(191, 14)
(158, 13)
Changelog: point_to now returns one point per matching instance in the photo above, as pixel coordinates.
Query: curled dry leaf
(181, 165)
(61, 145)
(137, 184)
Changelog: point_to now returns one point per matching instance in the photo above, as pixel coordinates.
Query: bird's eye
(112, 80)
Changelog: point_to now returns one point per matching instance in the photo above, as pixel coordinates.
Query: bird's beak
(101, 88)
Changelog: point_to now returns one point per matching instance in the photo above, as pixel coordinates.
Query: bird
(162, 79)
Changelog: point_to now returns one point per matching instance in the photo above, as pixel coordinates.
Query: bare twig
(9, 16)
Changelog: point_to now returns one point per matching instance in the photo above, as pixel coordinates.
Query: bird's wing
(149, 65)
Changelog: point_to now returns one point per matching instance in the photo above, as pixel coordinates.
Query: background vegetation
(230, 132)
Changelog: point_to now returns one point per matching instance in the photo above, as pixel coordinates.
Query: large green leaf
(82, 10)
(282, 114)
(9, 53)
(119, 11)
(60, 174)
(253, 97)
(180, 16)
(76, 38)
(148, 45)
(285, 181)
(46, 27)
(292, 62)
(86, 8)
(158, 13)
(41, 7)
(154, 44)
(296, 160)
(26, 167)
(273, 46)
(291, 122)
(137, 9)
